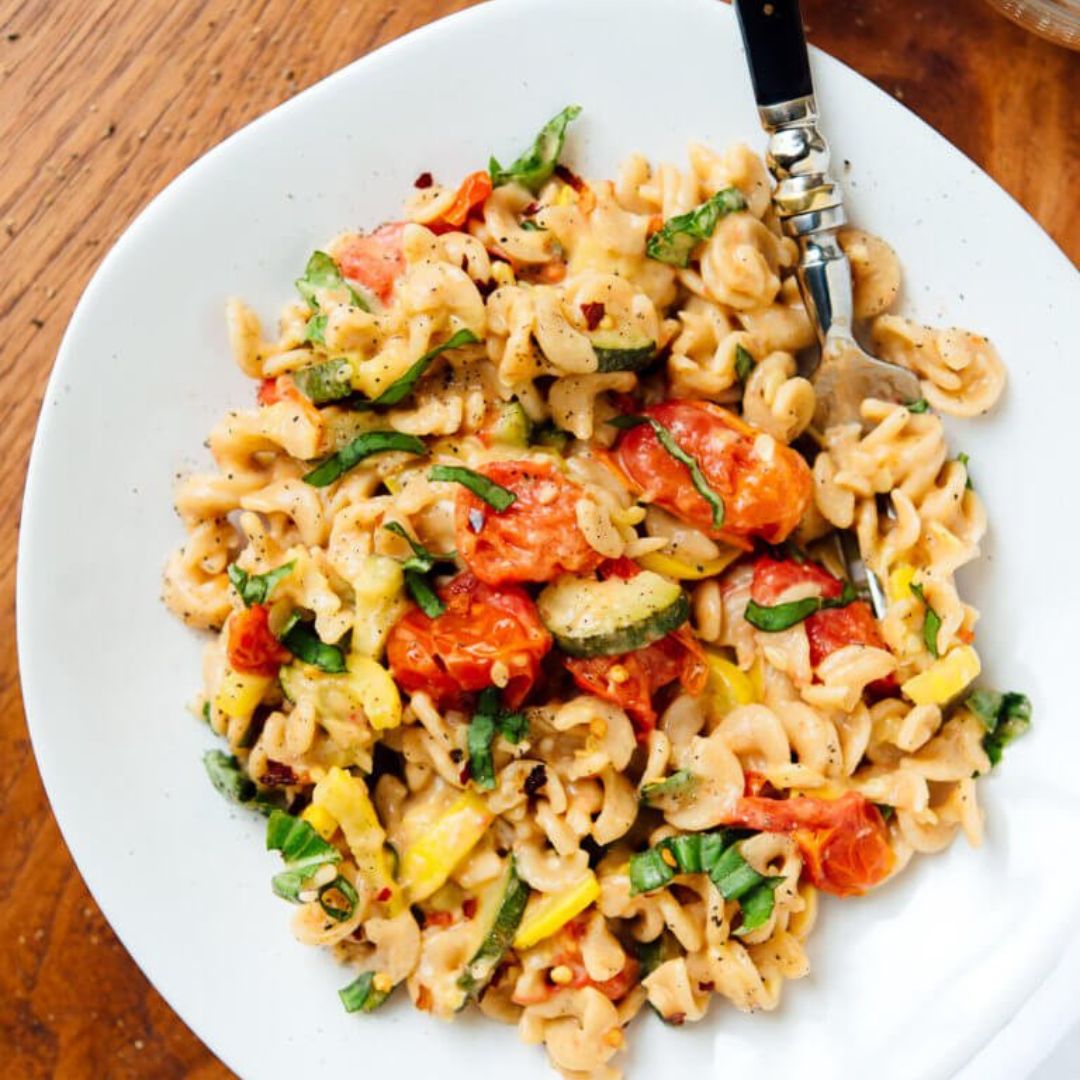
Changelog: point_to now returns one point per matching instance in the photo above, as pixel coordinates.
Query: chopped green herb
(421, 559)
(420, 563)
(206, 711)
(303, 850)
(488, 720)
(534, 167)
(495, 495)
(315, 329)
(782, 616)
(920, 405)
(322, 272)
(338, 899)
(402, 387)
(885, 810)
(302, 641)
(228, 777)
(328, 381)
(532, 226)
(678, 785)
(675, 241)
(421, 590)
(550, 435)
(1006, 716)
(361, 996)
(256, 588)
(931, 621)
(363, 446)
(964, 460)
(744, 363)
(667, 441)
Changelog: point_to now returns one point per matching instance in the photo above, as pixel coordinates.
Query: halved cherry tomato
(569, 956)
(844, 842)
(631, 679)
(453, 654)
(474, 189)
(375, 260)
(252, 648)
(765, 490)
(773, 578)
(535, 539)
(283, 388)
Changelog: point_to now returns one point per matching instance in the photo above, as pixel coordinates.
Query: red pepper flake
(465, 774)
(676, 1019)
(423, 998)
(531, 209)
(424, 180)
(437, 918)
(593, 313)
(278, 774)
(568, 177)
(384, 894)
(706, 987)
(468, 907)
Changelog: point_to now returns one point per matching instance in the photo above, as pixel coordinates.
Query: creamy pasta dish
(532, 638)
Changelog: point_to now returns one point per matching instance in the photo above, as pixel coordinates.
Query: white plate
(909, 983)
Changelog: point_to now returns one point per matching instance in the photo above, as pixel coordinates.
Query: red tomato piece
(375, 260)
(854, 624)
(764, 495)
(474, 189)
(844, 842)
(283, 388)
(452, 654)
(251, 646)
(773, 578)
(535, 539)
(631, 680)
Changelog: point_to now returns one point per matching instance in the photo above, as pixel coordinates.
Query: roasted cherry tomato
(632, 679)
(474, 189)
(375, 260)
(765, 488)
(773, 578)
(252, 648)
(453, 654)
(844, 842)
(535, 539)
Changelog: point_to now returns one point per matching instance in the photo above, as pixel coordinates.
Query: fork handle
(808, 201)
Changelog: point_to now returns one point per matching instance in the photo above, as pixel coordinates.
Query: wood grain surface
(102, 103)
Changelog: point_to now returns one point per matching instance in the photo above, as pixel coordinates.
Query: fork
(809, 204)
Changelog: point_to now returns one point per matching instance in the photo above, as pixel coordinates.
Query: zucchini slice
(510, 425)
(622, 350)
(604, 618)
(328, 381)
(497, 919)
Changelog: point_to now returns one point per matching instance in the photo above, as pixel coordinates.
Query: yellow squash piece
(320, 819)
(430, 860)
(900, 581)
(682, 570)
(728, 686)
(380, 601)
(944, 678)
(551, 913)
(344, 798)
(376, 691)
(238, 695)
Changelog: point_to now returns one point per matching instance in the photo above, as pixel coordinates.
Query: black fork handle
(772, 32)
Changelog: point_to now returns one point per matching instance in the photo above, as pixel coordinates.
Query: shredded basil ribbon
(229, 778)
(328, 381)
(678, 785)
(919, 405)
(1006, 716)
(667, 441)
(931, 621)
(322, 272)
(782, 616)
(303, 850)
(361, 996)
(716, 854)
(256, 588)
(965, 461)
(744, 363)
(534, 167)
(302, 641)
(488, 720)
(674, 242)
(363, 446)
(495, 495)
(402, 387)
(416, 567)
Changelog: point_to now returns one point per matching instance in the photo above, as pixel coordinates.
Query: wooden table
(101, 105)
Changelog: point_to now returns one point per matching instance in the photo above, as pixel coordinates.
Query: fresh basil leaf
(478, 739)
(667, 441)
(931, 621)
(228, 777)
(421, 559)
(322, 272)
(733, 875)
(421, 590)
(338, 899)
(315, 329)
(363, 446)
(676, 786)
(330, 380)
(965, 460)
(534, 167)
(256, 588)
(649, 871)
(513, 727)
(780, 616)
(303, 850)
(495, 495)
(1006, 716)
(674, 242)
(548, 434)
(757, 905)
(361, 995)
(920, 405)
(402, 387)
(302, 641)
(744, 363)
